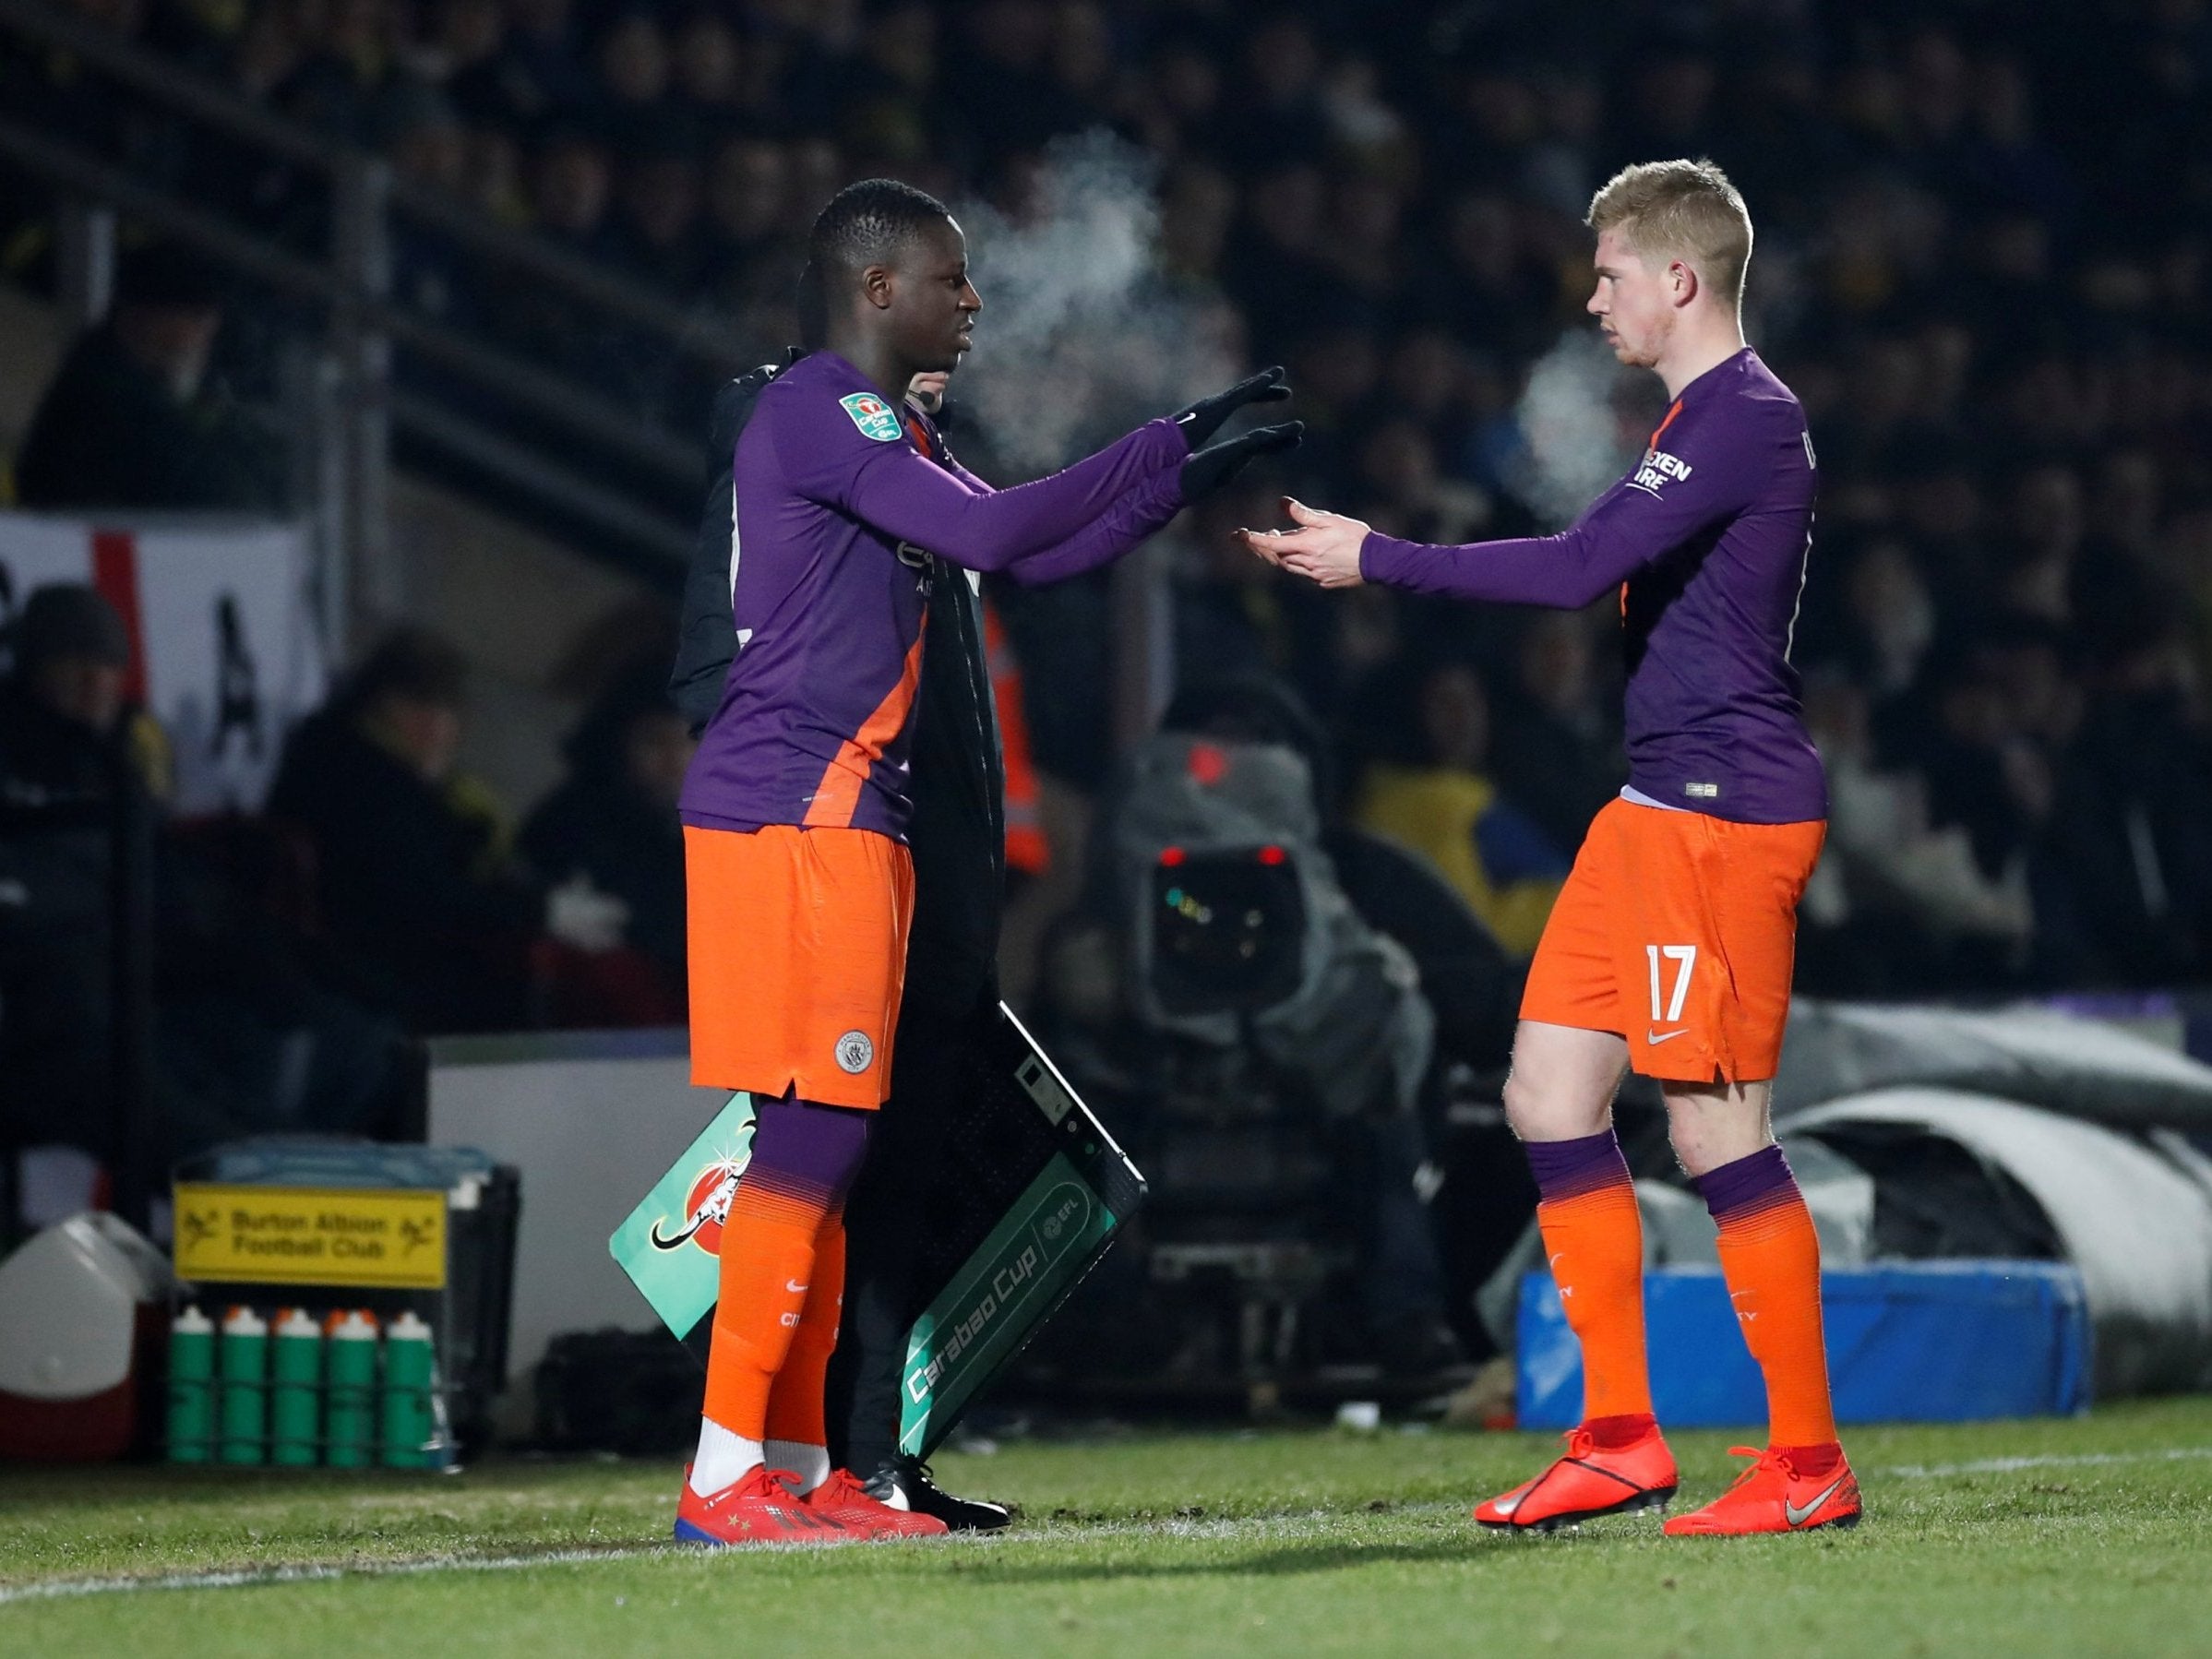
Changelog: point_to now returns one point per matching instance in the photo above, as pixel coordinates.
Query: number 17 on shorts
(1667, 1002)
(1678, 931)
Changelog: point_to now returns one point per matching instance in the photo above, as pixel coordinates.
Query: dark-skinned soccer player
(799, 885)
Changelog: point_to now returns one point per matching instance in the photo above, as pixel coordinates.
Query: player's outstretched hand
(1203, 418)
(1324, 548)
(1211, 467)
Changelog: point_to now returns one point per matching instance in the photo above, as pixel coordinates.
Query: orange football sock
(768, 1265)
(1594, 1240)
(1771, 1257)
(794, 1403)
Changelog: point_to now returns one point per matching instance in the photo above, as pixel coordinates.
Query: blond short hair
(1680, 210)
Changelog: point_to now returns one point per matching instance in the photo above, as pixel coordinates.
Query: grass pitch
(2090, 1536)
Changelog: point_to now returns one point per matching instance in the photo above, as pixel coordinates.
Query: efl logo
(1656, 468)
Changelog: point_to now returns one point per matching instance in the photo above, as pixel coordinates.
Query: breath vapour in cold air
(1575, 441)
(1082, 336)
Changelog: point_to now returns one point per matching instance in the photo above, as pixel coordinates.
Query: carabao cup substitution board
(1034, 1191)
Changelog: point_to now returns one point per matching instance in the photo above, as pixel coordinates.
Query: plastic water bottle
(245, 1387)
(191, 1387)
(295, 1400)
(408, 1423)
(350, 1426)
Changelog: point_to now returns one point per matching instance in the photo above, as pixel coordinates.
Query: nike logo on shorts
(1656, 1038)
(1798, 1516)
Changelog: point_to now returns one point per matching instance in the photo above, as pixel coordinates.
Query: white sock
(723, 1458)
(810, 1464)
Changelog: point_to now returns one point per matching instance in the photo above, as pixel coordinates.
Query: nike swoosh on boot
(1797, 1517)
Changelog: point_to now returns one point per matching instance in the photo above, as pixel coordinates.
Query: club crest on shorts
(856, 1053)
(872, 415)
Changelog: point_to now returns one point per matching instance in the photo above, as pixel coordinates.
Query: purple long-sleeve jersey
(1707, 539)
(842, 499)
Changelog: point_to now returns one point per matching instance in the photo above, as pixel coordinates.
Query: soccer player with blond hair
(1670, 947)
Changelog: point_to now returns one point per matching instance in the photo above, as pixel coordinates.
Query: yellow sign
(311, 1235)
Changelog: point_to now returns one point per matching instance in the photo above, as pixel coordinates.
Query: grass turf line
(2086, 1536)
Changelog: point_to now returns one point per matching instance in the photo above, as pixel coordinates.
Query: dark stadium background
(1983, 263)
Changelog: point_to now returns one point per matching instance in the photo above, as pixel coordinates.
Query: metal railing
(350, 285)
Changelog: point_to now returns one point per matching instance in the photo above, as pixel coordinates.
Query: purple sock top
(806, 1150)
(1567, 1169)
(1747, 1185)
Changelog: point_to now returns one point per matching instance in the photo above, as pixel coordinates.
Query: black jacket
(958, 831)
(108, 434)
(430, 921)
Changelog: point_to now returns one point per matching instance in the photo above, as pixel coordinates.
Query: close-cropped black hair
(868, 223)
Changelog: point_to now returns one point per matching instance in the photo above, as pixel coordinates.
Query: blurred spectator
(133, 419)
(1444, 806)
(346, 69)
(634, 75)
(709, 68)
(747, 203)
(2128, 822)
(62, 749)
(61, 705)
(1555, 746)
(538, 74)
(994, 85)
(429, 271)
(1989, 769)
(571, 186)
(1898, 906)
(1406, 493)
(54, 92)
(613, 821)
(458, 36)
(1276, 266)
(1889, 620)
(417, 883)
(1231, 617)
(656, 228)
(2044, 544)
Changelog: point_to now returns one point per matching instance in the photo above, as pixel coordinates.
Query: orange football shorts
(1679, 931)
(797, 949)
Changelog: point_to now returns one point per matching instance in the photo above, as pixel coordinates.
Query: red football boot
(755, 1509)
(1772, 1497)
(844, 1502)
(1588, 1482)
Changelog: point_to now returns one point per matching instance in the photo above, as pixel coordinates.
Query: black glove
(1203, 418)
(1210, 469)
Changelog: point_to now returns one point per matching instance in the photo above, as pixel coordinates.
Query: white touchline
(2007, 1465)
(1316, 1523)
(239, 1578)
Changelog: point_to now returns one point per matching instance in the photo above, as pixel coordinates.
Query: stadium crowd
(1983, 265)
